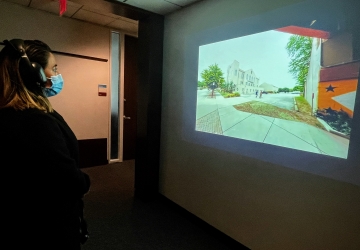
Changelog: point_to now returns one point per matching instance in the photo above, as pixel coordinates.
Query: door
(130, 97)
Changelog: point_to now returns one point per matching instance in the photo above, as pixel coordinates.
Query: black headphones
(31, 72)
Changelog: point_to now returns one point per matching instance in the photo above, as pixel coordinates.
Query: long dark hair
(13, 89)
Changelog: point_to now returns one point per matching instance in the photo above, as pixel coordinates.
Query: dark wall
(150, 58)
(92, 152)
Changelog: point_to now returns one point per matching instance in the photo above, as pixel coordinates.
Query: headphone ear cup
(39, 73)
(31, 73)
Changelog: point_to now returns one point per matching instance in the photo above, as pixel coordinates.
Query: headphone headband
(17, 45)
(31, 73)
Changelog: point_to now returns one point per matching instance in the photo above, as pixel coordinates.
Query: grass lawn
(303, 115)
(303, 105)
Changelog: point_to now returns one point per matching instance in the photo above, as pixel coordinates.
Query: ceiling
(118, 14)
(161, 7)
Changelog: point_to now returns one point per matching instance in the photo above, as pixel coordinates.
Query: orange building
(337, 87)
(333, 71)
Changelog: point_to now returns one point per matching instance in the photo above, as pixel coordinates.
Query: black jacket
(42, 184)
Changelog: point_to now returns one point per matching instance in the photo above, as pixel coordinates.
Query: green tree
(299, 50)
(299, 88)
(286, 90)
(201, 84)
(212, 74)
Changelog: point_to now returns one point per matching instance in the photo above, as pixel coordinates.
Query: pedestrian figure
(256, 93)
(260, 94)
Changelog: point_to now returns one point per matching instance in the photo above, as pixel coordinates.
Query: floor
(117, 220)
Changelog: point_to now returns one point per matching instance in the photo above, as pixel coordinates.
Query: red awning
(296, 30)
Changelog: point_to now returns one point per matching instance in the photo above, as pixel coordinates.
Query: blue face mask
(56, 87)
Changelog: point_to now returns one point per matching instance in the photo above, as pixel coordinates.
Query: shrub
(229, 95)
(337, 120)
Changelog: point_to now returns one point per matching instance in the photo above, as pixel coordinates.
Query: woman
(43, 186)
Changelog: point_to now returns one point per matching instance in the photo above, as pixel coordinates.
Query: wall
(312, 81)
(149, 94)
(79, 103)
(260, 204)
(86, 112)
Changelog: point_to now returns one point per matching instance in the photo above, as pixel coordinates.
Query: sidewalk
(218, 116)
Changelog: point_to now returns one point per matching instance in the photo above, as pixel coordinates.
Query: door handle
(127, 117)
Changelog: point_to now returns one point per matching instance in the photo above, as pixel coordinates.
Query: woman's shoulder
(57, 116)
(31, 117)
(15, 112)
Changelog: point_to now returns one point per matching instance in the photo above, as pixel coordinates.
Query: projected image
(287, 87)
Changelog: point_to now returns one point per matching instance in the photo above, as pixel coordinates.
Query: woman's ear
(48, 83)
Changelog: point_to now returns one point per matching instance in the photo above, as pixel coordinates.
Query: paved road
(281, 100)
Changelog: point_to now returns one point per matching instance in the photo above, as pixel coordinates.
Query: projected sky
(264, 53)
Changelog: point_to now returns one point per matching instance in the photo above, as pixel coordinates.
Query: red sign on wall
(102, 90)
(62, 7)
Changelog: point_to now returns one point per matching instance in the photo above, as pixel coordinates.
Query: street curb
(328, 128)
